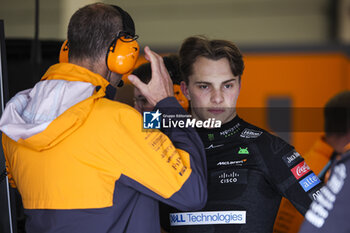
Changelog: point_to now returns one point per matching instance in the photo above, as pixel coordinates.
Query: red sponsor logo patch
(300, 170)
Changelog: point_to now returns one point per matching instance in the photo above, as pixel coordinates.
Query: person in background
(144, 72)
(81, 161)
(249, 169)
(320, 157)
(330, 211)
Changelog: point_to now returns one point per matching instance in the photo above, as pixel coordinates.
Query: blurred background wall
(165, 23)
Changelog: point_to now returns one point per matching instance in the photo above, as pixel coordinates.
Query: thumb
(136, 82)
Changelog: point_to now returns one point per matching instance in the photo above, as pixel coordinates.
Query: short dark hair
(91, 31)
(171, 62)
(337, 114)
(143, 72)
(200, 46)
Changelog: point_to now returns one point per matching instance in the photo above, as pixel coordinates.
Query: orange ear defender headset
(63, 58)
(124, 50)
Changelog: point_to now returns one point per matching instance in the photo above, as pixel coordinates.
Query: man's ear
(184, 90)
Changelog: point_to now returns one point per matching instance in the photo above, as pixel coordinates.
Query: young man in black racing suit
(249, 169)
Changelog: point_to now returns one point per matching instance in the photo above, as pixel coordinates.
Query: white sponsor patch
(250, 133)
(207, 218)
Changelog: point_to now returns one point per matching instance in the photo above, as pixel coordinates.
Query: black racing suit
(249, 170)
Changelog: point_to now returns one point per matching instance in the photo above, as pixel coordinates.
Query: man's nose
(217, 97)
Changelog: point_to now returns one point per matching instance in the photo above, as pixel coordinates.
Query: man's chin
(224, 119)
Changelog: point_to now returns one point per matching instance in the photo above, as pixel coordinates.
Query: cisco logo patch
(229, 176)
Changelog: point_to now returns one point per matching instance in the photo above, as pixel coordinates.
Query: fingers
(146, 53)
(154, 59)
(164, 70)
(137, 82)
(160, 85)
(157, 65)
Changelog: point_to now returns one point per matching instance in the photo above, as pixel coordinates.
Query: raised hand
(160, 86)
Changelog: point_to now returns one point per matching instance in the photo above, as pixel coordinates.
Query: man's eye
(203, 86)
(228, 86)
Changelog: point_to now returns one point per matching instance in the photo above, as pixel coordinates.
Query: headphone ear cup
(64, 52)
(122, 55)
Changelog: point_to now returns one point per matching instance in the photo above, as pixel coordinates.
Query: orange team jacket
(288, 219)
(84, 163)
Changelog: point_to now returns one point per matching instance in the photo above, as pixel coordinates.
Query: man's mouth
(216, 111)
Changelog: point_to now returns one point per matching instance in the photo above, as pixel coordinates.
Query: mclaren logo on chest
(227, 163)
